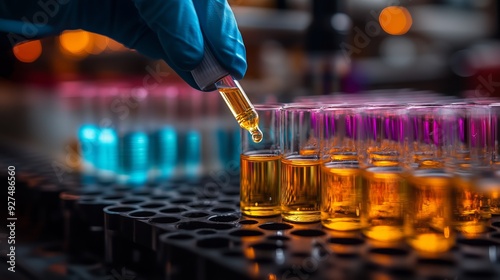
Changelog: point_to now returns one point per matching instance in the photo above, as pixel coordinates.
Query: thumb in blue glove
(173, 30)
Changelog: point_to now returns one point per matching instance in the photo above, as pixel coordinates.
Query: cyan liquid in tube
(166, 152)
(193, 154)
(224, 144)
(135, 157)
(107, 154)
(87, 136)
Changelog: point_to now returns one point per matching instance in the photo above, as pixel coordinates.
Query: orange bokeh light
(115, 46)
(98, 44)
(28, 51)
(75, 42)
(395, 20)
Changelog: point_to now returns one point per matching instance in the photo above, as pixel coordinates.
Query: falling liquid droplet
(257, 135)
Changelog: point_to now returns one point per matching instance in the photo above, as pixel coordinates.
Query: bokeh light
(75, 42)
(98, 44)
(115, 46)
(395, 20)
(28, 51)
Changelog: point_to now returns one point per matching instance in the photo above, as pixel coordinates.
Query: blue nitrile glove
(161, 29)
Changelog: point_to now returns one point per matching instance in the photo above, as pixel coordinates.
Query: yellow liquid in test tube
(428, 219)
(382, 214)
(341, 196)
(300, 184)
(260, 185)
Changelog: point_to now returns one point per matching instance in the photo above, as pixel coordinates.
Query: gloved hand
(172, 30)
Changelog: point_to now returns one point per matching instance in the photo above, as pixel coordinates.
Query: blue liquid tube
(107, 155)
(87, 137)
(193, 163)
(165, 152)
(88, 132)
(223, 136)
(135, 141)
(107, 148)
(135, 157)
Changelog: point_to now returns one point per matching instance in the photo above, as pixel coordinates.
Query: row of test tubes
(134, 136)
(412, 166)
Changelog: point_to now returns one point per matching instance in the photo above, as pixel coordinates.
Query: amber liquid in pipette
(245, 114)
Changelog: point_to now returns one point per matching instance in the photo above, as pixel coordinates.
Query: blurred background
(95, 106)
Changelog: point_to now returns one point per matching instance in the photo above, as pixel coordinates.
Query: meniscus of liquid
(240, 106)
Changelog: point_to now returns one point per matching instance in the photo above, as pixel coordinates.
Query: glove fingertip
(186, 59)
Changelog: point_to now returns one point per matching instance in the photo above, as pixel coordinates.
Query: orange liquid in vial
(429, 215)
(341, 196)
(382, 214)
(300, 184)
(260, 185)
(244, 113)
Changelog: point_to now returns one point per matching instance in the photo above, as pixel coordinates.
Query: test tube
(340, 170)
(209, 74)
(107, 157)
(261, 166)
(381, 147)
(428, 212)
(134, 139)
(300, 163)
(495, 135)
(164, 138)
(464, 137)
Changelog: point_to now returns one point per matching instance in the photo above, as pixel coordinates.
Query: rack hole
(443, 262)
(142, 214)
(112, 197)
(180, 201)
(308, 232)
(152, 205)
(193, 225)
(214, 243)
(223, 218)
(180, 236)
(389, 251)
(173, 210)
(346, 241)
(276, 226)
(223, 210)
(160, 197)
(195, 214)
(206, 232)
(248, 222)
(347, 255)
(131, 201)
(164, 220)
(246, 232)
(119, 209)
(478, 242)
(200, 205)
